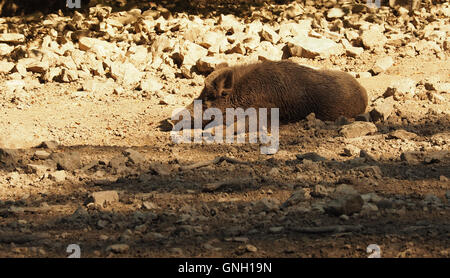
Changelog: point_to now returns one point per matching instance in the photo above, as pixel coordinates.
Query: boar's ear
(223, 83)
(221, 66)
(228, 81)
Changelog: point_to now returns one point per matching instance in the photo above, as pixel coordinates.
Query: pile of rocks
(109, 52)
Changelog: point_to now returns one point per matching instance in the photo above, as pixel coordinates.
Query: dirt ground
(166, 210)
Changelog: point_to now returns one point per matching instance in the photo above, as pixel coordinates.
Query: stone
(427, 47)
(6, 67)
(254, 27)
(51, 145)
(120, 248)
(436, 156)
(436, 85)
(320, 191)
(382, 64)
(190, 53)
(40, 154)
(5, 49)
(8, 157)
(334, 13)
(213, 41)
(37, 169)
(53, 74)
(311, 47)
(275, 230)
(357, 129)
(385, 204)
(38, 67)
(58, 176)
(168, 99)
(402, 134)
(100, 47)
(150, 85)
(346, 205)
(14, 85)
(404, 88)
(239, 48)
(139, 56)
(207, 64)
(134, 157)
(352, 51)
(311, 156)
(251, 248)
(436, 98)
(68, 76)
(292, 30)
(159, 169)
(268, 34)
(346, 200)
(12, 38)
(369, 208)
(102, 198)
(267, 205)
(351, 35)
(193, 33)
(149, 205)
(296, 197)
(117, 163)
(266, 50)
(433, 200)
(373, 38)
(161, 44)
(410, 157)
(98, 87)
(351, 150)
(80, 213)
(371, 197)
(67, 161)
(363, 74)
(126, 73)
(229, 23)
(382, 109)
(369, 170)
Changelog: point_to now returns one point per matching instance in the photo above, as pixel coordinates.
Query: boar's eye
(210, 95)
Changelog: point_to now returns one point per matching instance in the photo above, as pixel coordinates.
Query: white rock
(5, 49)
(373, 38)
(191, 52)
(126, 73)
(12, 38)
(150, 84)
(312, 47)
(351, 50)
(401, 89)
(208, 64)
(58, 176)
(266, 50)
(6, 67)
(382, 64)
(269, 34)
(229, 23)
(335, 13)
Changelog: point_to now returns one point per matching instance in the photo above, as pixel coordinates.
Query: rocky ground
(86, 156)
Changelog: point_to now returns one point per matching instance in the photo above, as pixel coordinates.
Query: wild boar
(295, 89)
